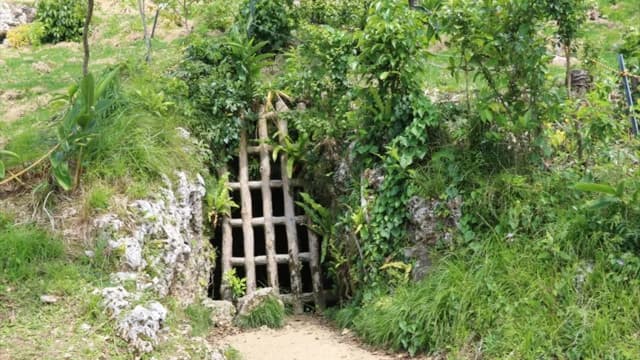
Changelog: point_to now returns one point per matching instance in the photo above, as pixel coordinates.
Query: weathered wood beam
(267, 208)
(316, 269)
(292, 232)
(278, 258)
(246, 212)
(276, 220)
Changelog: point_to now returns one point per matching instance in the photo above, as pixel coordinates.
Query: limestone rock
(163, 249)
(222, 312)
(428, 226)
(115, 300)
(49, 299)
(140, 327)
(12, 15)
(248, 303)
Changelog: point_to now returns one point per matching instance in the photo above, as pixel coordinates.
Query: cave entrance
(266, 239)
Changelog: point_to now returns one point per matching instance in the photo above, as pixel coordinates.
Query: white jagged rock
(141, 325)
(115, 300)
(222, 311)
(163, 249)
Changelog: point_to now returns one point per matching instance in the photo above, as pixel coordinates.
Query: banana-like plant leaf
(61, 171)
(87, 91)
(104, 83)
(598, 188)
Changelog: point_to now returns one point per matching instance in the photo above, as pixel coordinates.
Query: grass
(270, 313)
(544, 276)
(200, 319)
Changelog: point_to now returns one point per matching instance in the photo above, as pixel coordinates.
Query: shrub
(270, 314)
(26, 35)
(62, 19)
(219, 14)
(221, 80)
(268, 20)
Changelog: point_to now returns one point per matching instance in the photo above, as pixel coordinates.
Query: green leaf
(87, 91)
(598, 188)
(2, 170)
(61, 172)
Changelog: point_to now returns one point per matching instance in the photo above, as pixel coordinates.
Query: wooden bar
(258, 149)
(278, 258)
(246, 212)
(227, 250)
(292, 232)
(316, 269)
(256, 184)
(275, 220)
(267, 208)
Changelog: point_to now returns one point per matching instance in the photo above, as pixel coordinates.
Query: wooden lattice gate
(294, 258)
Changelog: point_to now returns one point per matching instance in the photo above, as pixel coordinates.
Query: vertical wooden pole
(227, 248)
(246, 212)
(292, 232)
(316, 275)
(267, 208)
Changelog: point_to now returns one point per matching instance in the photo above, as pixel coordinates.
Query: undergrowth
(270, 313)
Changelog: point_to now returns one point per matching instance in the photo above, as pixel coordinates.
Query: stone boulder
(12, 15)
(248, 303)
(222, 311)
(430, 221)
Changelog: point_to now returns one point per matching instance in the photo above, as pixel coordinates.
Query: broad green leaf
(87, 91)
(2, 170)
(593, 187)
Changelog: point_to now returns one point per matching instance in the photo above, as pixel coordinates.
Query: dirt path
(303, 338)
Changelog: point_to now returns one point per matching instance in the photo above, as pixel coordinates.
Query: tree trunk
(85, 38)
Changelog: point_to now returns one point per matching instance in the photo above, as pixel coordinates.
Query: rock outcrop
(163, 251)
(431, 221)
(12, 15)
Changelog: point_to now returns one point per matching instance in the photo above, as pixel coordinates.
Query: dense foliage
(270, 21)
(62, 19)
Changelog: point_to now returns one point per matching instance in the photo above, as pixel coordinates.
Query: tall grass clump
(141, 139)
(270, 313)
(24, 249)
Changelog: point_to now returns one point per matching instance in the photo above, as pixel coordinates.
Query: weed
(231, 353)
(270, 313)
(99, 197)
(200, 318)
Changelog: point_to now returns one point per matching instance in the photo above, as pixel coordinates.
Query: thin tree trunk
(147, 40)
(85, 38)
(567, 54)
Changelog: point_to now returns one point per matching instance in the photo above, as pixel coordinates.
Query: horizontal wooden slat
(256, 184)
(276, 220)
(262, 259)
(256, 149)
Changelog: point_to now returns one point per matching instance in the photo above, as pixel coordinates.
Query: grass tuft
(200, 319)
(270, 313)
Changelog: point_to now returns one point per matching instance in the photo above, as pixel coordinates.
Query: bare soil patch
(303, 338)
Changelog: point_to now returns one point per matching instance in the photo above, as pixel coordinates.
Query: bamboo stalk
(227, 251)
(267, 208)
(316, 270)
(275, 220)
(246, 213)
(292, 232)
(278, 258)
